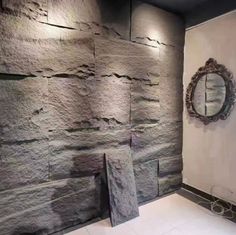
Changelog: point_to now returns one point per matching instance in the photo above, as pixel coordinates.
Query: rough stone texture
(144, 29)
(146, 180)
(48, 207)
(169, 184)
(170, 165)
(82, 153)
(145, 102)
(72, 90)
(27, 30)
(29, 8)
(23, 163)
(23, 103)
(101, 17)
(152, 141)
(35, 58)
(75, 103)
(112, 47)
(121, 186)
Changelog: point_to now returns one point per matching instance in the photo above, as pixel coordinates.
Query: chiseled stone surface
(154, 26)
(29, 8)
(114, 47)
(171, 100)
(145, 102)
(23, 103)
(48, 58)
(76, 103)
(100, 17)
(71, 90)
(121, 186)
(151, 141)
(170, 165)
(146, 180)
(25, 29)
(82, 152)
(48, 207)
(169, 183)
(23, 163)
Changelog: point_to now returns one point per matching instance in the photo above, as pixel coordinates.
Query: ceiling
(178, 6)
(195, 11)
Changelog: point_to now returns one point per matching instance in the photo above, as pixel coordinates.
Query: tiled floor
(172, 215)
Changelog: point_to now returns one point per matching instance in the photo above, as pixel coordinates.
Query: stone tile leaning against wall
(95, 90)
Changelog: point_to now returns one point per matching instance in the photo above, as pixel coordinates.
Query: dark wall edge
(205, 195)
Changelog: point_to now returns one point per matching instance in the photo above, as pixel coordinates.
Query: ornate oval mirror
(210, 95)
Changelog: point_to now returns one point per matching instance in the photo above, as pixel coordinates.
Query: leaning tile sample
(121, 186)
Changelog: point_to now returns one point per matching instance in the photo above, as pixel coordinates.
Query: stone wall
(80, 79)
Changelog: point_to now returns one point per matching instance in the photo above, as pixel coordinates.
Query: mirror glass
(209, 94)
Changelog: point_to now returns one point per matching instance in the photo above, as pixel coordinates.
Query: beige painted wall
(210, 151)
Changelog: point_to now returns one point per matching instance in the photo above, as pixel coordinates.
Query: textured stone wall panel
(76, 104)
(125, 68)
(121, 185)
(148, 140)
(155, 152)
(146, 180)
(172, 61)
(23, 103)
(169, 184)
(171, 101)
(81, 153)
(154, 26)
(100, 17)
(145, 106)
(114, 47)
(48, 58)
(23, 163)
(16, 27)
(29, 8)
(170, 165)
(86, 140)
(48, 207)
(74, 163)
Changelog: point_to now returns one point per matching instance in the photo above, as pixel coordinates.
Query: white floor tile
(172, 215)
(82, 231)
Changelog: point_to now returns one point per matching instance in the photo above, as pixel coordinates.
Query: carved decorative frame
(212, 66)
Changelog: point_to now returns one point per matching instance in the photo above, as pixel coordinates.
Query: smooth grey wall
(79, 79)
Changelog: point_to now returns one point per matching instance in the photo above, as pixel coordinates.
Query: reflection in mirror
(209, 94)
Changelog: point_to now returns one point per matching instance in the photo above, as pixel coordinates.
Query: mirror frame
(212, 66)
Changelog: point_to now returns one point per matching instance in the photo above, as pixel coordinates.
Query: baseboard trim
(206, 195)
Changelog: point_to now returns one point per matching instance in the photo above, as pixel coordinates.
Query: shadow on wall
(111, 10)
(84, 197)
(31, 230)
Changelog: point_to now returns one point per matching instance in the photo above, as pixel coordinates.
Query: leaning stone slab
(121, 186)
